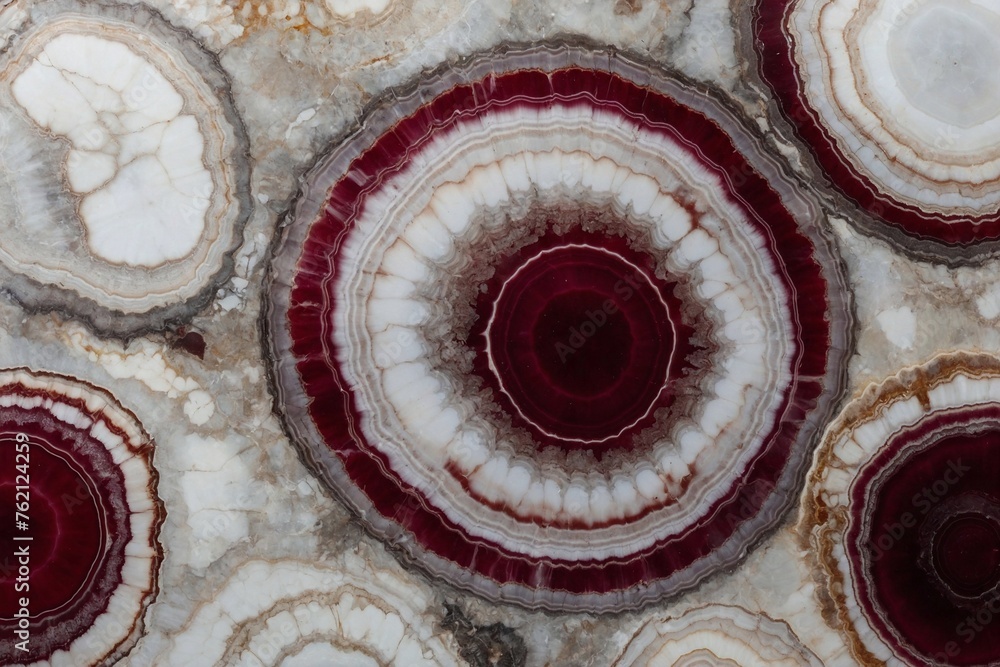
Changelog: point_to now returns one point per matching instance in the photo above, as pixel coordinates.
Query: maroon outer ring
(776, 66)
(298, 322)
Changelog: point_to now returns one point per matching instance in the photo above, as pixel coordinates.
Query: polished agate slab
(898, 104)
(902, 514)
(556, 327)
(123, 171)
(586, 353)
(81, 518)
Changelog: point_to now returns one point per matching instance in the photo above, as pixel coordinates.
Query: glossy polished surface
(524, 194)
(479, 332)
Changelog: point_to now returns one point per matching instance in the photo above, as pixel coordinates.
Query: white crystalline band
(717, 635)
(908, 91)
(296, 613)
(855, 448)
(115, 625)
(122, 183)
(350, 8)
(404, 243)
(135, 157)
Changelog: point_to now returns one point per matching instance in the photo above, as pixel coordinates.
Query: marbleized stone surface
(264, 285)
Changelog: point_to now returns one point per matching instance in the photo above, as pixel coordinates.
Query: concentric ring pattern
(557, 328)
(902, 513)
(716, 635)
(82, 520)
(898, 105)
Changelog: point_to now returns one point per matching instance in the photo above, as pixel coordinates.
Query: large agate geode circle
(902, 513)
(556, 327)
(898, 105)
(81, 520)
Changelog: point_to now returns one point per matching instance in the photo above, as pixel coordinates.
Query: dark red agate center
(68, 528)
(576, 336)
(960, 548)
(75, 530)
(929, 544)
